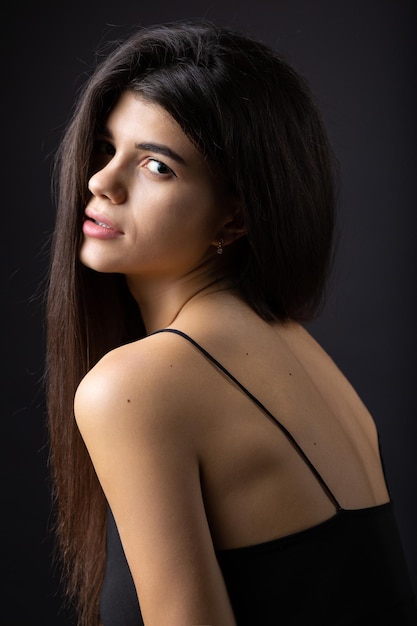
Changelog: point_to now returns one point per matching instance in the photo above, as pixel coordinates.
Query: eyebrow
(161, 149)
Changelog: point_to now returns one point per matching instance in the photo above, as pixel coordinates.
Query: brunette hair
(255, 120)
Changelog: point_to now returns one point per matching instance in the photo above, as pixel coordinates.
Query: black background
(360, 58)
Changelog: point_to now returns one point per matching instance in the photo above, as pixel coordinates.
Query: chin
(98, 264)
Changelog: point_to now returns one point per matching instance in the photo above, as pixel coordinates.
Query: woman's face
(155, 209)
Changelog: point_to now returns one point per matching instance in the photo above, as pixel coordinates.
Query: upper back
(248, 464)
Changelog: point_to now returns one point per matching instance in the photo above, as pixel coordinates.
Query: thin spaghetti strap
(283, 429)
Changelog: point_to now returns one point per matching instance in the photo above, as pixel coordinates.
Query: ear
(233, 227)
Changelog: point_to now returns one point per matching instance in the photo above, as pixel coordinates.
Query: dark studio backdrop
(360, 59)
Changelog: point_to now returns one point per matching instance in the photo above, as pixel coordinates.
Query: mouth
(99, 227)
(99, 223)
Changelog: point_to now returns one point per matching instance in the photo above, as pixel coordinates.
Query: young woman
(212, 465)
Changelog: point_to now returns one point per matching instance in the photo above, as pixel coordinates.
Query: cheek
(176, 213)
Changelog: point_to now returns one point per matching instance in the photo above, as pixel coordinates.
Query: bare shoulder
(136, 381)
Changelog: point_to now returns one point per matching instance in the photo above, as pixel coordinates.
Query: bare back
(256, 485)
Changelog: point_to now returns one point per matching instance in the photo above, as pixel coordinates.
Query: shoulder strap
(283, 429)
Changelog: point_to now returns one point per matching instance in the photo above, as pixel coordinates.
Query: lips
(99, 226)
(102, 221)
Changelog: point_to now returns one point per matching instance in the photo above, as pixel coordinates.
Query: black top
(347, 571)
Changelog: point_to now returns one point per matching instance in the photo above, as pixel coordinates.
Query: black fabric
(347, 571)
(119, 604)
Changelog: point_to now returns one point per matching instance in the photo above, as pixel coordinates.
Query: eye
(103, 152)
(101, 146)
(158, 168)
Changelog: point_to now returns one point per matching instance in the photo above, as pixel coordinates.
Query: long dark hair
(255, 120)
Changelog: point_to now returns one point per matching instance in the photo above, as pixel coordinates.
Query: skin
(187, 467)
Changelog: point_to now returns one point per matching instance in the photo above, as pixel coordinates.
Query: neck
(161, 303)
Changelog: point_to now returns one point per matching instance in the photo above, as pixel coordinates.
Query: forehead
(135, 119)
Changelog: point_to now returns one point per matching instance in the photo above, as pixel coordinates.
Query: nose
(108, 183)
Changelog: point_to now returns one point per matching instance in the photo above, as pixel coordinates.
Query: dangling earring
(220, 246)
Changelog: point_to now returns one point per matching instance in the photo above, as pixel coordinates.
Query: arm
(139, 431)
